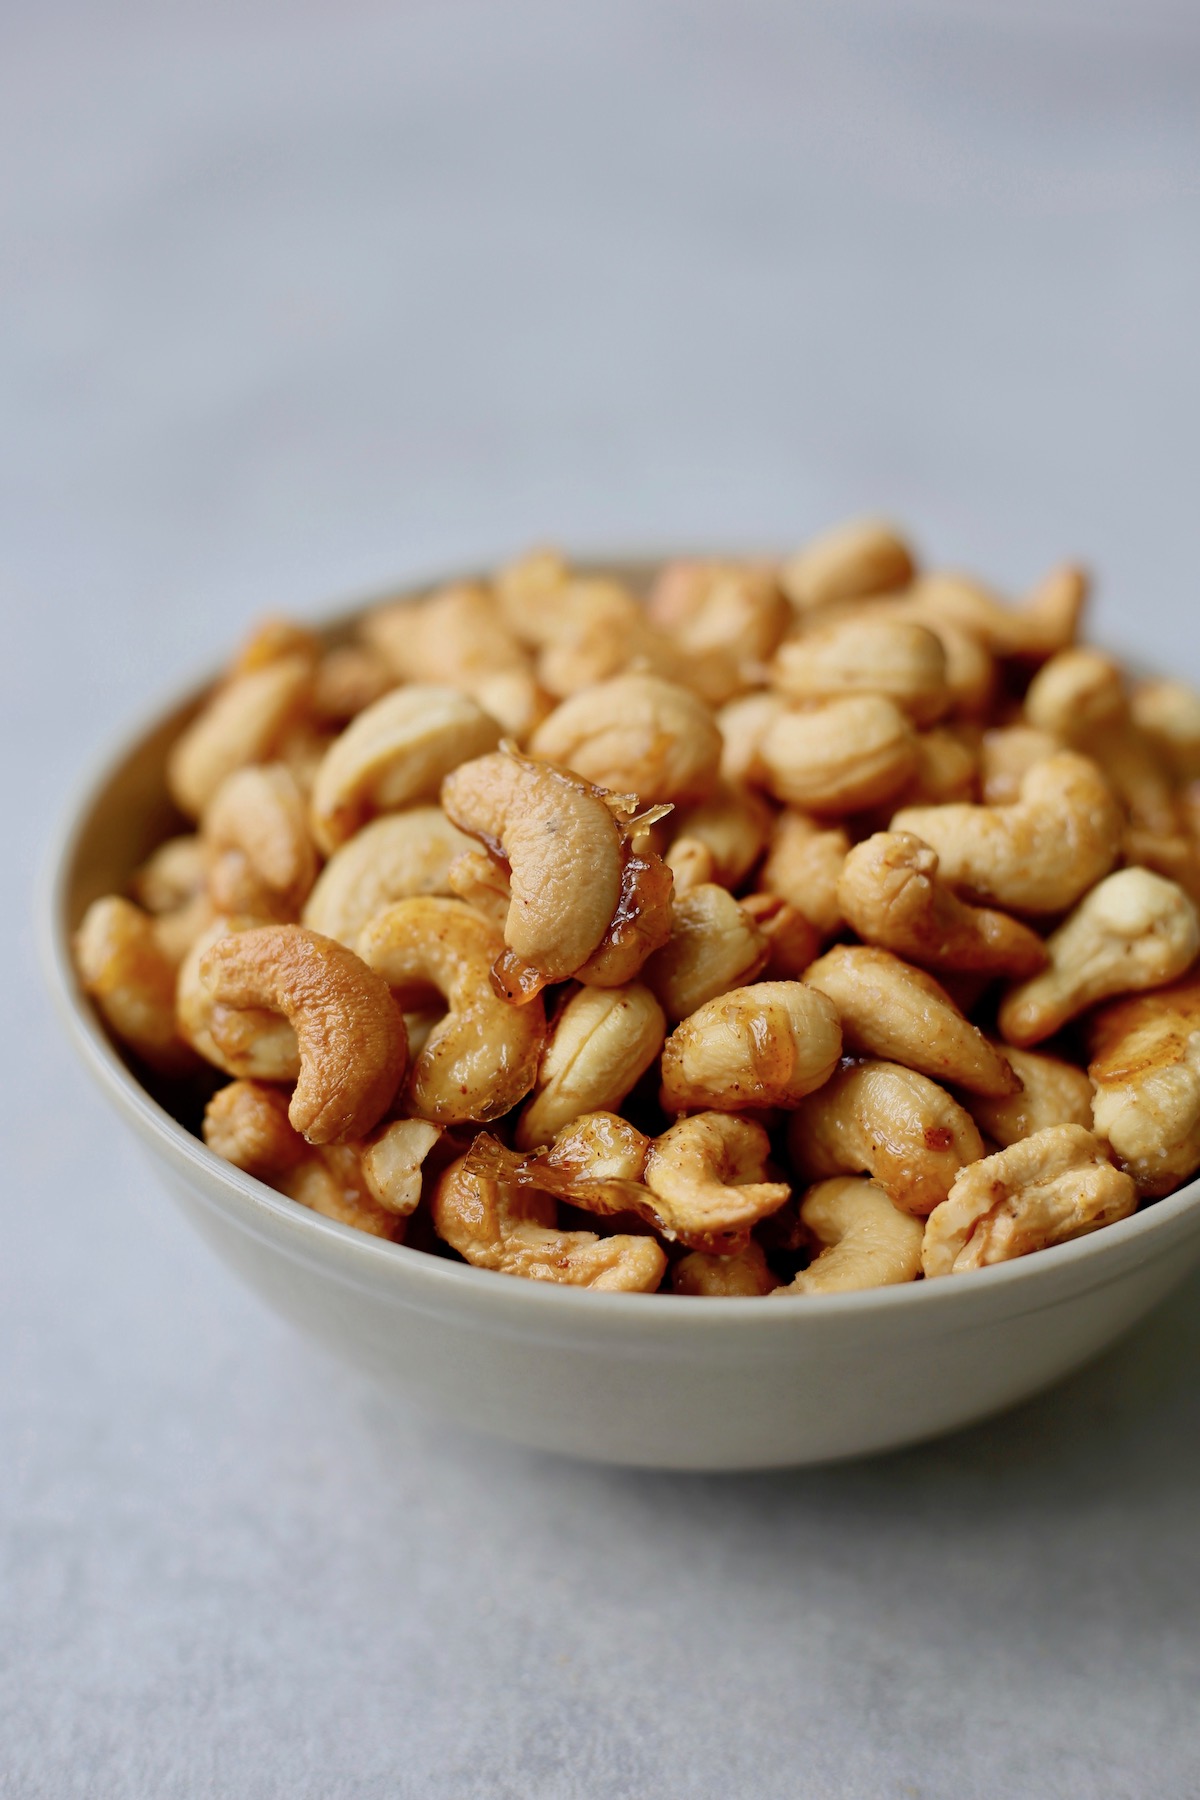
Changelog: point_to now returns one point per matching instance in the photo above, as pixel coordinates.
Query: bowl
(659, 1381)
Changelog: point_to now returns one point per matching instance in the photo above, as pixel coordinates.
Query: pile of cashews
(789, 928)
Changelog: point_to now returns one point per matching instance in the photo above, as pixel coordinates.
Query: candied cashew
(1038, 855)
(482, 1056)
(848, 562)
(760, 1046)
(393, 858)
(451, 637)
(947, 770)
(743, 725)
(1006, 756)
(740, 1276)
(803, 866)
(862, 1238)
(173, 875)
(706, 1174)
(1046, 622)
(330, 1181)
(635, 734)
(1146, 1067)
(246, 1122)
(1079, 695)
(891, 1010)
(391, 1163)
(881, 1120)
(1169, 714)
(842, 756)
(1053, 1092)
(691, 866)
(347, 680)
(1047, 1189)
(125, 969)
(242, 722)
(792, 940)
(733, 823)
(890, 891)
(263, 856)
(727, 617)
(1134, 930)
(714, 946)
(874, 654)
(600, 1045)
(250, 1043)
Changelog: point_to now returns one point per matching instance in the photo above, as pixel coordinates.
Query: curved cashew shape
(394, 753)
(1169, 714)
(877, 1119)
(124, 968)
(348, 679)
(242, 722)
(1053, 1092)
(714, 946)
(1079, 695)
(642, 922)
(804, 865)
(691, 865)
(947, 769)
(481, 1058)
(246, 1122)
(601, 1044)
(1006, 756)
(760, 1046)
(842, 756)
(1037, 855)
(892, 894)
(875, 654)
(727, 617)
(862, 1239)
(498, 1224)
(743, 725)
(330, 1181)
(1053, 1186)
(250, 1043)
(733, 825)
(394, 858)
(348, 1029)
(635, 734)
(848, 562)
(892, 1010)
(256, 827)
(792, 940)
(739, 1277)
(1047, 621)
(455, 637)
(1134, 930)
(706, 1174)
(596, 1146)
(1146, 1067)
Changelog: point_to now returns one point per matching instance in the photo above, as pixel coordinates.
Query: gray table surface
(294, 301)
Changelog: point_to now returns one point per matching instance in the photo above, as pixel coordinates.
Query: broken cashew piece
(1045, 1190)
(764, 1045)
(635, 734)
(600, 1046)
(862, 1239)
(1053, 1092)
(1146, 1067)
(124, 968)
(393, 858)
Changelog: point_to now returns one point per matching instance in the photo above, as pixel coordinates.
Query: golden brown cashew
(330, 1181)
(246, 1123)
(348, 1028)
(394, 753)
(450, 637)
(635, 734)
(348, 679)
(1053, 1092)
(256, 828)
(891, 893)
(395, 857)
(877, 1119)
(172, 876)
(481, 1058)
(1134, 930)
(1169, 714)
(892, 1010)
(243, 722)
(601, 1044)
(737, 1277)
(861, 557)
(124, 968)
(727, 617)
(691, 865)
(792, 940)
(1146, 1067)
(803, 866)
(1079, 695)
(765, 1045)
(1047, 621)
(1037, 855)
(251, 1043)
(874, 654)
(841, 756)
(714, 946)
(733, 824)
(642, 922)
(498, 1224)
(1053, 1186)
(862, 1239)
(706, 1174)
(743, 725)
(1006, 756)
(947, 769)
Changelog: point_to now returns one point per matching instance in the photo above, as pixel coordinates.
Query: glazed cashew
(451, 637)
(892, 894)
(172, 876)
(242, 722)
(841, 756)
(393, 754)
(947, 770)
(727, 617)
(691, 865)
(124, 968)
(256, 829)
(642, 922)
(1169, 714)
(1053, 1186)
(349, 1031)
(1146, 1067)
(481, 1058)
(861, 557)
(741, 1276)
(804, 865)
(246, 1123)
(877, 1119)
(1005, 757)
(1134, 930)
(792, 940)
(743, 725)
(714, 946)
(1079, 695)
(393, 858)
(635, 734)
(601, 1044)
(1047, 621)
(330, 1181)
(496, 1223)
(765, 1045)
(890, 1009)
(392, 1158)
(874, 654)
(733, 824)
(251, 1043)
(1038, 855)
(862, 1239)
(706, 1174)
(1053, 1092)
(348, 679)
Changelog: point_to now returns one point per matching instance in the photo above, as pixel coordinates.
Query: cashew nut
(803, 866)
(1047, 621)
(727, 617)
(1005, 757)
(862, 1239)
(947, 769)
(172, 876)
(1169, 714)
(242, 722)
(391, 1163)
(736, 1277)
(256, 828)
(877, 1119)
(706, 1174)
(124, 968)
(330, 1181)
(252, 1043)
(892, 894)
(863, 556)
(714, 946)
(450, 637)
(635, 734)
(601, 1044)
(875, 654)
(733, 824)
(743, 725)
(792, 940)
(1053, 1186)
(246, 1123)
(890, 1009)
(642, 922)
(1053, 1092)
(393, 858)
(765, 1045)
(1079, 695)
(841, 756)
(1146, 1067)
(481, 1058)
(1038, 855)
(691, 865)
(348, 679)
(1134, 930)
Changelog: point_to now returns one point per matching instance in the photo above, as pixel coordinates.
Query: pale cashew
(743, 725)
(733, 824)
(635, 734)
(601, 1044)
(792, 940)
(874, 654)
(706, 1174)
(242, 722)
(971, 672)
(391, 1163)
(738, 1277)
(1005, 757)
(246, 1123)
(1047, 1189)
(1146, 1067)
(760, 1046)
(495, 1223)
(841, 756)
(348, 1028)
(861, 557)
(1079, 695)
(1177, 856)
(393, 858)
(251, 1043)
(1053, 1092)
(1134, 930)
(1037, 855)
(348, 679)
(451, 637)
(1046, 622)
(862, 1238)
(691, 864)
(890, 1009)
(714, 946)
(877, 1119)
(124, 968)
(1169, 714)
(892, 894)
(256, 828)
(804, 865)
(481, 1058)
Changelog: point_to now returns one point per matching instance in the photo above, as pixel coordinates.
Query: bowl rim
(122, 1087)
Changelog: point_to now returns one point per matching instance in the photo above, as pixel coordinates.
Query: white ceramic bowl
(662, 1381)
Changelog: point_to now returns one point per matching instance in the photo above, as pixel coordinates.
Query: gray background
(294, 301)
